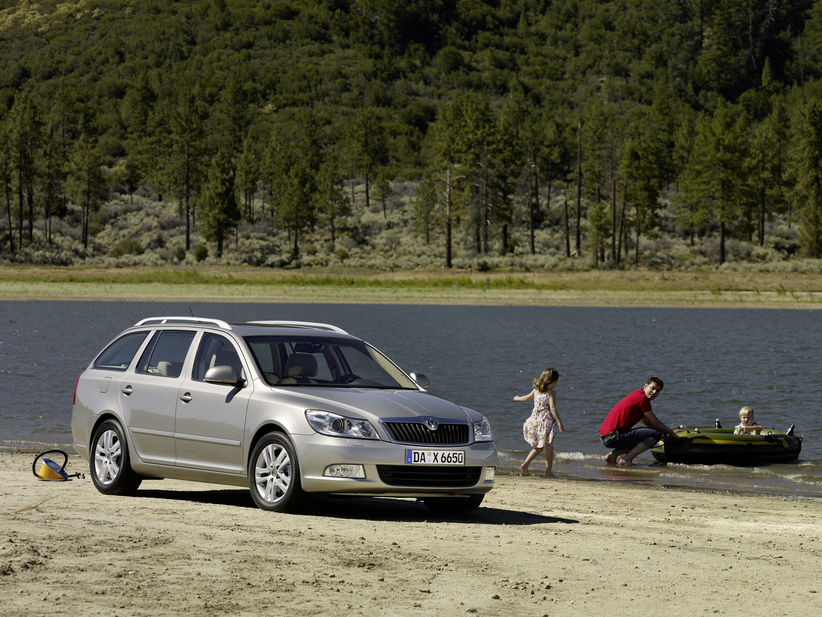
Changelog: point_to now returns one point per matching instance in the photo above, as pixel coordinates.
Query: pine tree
(460, 135)
(367, 146)
(219, 210)
(767, 166)
(808, 171)
(6, 177)
(86, 184)
(182, 153)
(714, 180)
(26, 137)
(332, 201)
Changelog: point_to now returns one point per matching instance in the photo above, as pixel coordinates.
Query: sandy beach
(536, 547)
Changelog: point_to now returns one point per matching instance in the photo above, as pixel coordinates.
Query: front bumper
(316, 452)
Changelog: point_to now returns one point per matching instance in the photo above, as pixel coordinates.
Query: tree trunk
(613, 218)
(762, 218)
(622, 224)
(448, 219)
(722, 243)
(567, 230)
(188, 225)
(485, 211)
(8, 212)
(579, 186)
(638, 229)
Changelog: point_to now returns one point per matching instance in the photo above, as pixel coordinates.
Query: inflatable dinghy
(719, 446)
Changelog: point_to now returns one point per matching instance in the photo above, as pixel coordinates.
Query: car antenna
(190, 311)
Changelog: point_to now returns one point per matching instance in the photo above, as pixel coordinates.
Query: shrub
(201, 252)
(128, 247)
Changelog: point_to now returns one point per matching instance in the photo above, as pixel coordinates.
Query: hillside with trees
(412, 133)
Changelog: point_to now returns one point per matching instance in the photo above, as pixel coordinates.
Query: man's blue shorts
(625, 440)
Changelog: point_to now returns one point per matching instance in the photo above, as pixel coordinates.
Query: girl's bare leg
(531, 456)
(549, 461)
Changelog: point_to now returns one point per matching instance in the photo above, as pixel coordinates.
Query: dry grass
(587, 288)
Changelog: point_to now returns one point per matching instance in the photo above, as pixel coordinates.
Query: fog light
(345, 471)
(489, 474)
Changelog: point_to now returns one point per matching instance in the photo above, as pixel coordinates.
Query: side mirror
(223, 376)
(421, 379)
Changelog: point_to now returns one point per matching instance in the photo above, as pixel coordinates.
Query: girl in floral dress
(540, 429)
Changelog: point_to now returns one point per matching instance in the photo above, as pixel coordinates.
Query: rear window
(118, 355)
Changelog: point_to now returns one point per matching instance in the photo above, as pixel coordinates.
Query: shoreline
(290, 294)
(618, 288)
(535, 547)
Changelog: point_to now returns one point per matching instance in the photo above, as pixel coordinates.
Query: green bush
(127, 247)
(201, 252)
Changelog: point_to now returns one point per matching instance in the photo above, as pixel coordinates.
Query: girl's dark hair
(545, 379)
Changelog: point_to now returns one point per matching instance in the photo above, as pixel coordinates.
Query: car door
(148, 396)
(210, 420)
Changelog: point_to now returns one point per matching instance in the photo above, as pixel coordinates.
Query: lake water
(713, 361)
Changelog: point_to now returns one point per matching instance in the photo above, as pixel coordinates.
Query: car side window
(118, 355)
(166, 353)
(216, 350)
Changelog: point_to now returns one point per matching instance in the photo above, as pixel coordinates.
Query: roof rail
(300, 324)
(191, 320)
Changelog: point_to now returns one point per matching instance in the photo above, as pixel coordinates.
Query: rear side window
(118, 355)
(166, 353)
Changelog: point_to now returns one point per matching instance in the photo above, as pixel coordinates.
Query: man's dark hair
(655, 380)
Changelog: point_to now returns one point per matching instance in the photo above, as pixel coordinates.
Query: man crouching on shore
(617, 432)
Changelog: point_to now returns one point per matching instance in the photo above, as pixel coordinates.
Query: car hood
(374, 405)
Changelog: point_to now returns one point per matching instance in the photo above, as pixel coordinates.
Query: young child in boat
(747, 425)
(540, 429)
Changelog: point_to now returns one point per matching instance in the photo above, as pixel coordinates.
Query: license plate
(434, 457)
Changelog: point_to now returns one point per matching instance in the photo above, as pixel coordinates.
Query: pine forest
(485, 135)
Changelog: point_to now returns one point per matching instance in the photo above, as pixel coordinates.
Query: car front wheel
(274, 475)
(109, 461)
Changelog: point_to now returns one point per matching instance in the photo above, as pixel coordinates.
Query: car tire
(109, 461)
(449, 506)
(274, 474)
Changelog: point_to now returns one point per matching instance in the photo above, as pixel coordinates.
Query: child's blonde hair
(546, 378)
(746, 411)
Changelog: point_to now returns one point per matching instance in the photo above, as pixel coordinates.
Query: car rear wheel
(454, 505)
(109, 462)
(274, 475)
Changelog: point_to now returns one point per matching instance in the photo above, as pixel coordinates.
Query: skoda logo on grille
(432, 424)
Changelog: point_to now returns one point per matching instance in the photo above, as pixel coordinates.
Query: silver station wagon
(290, 409)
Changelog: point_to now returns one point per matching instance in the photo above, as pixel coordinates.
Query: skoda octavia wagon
(290, 409)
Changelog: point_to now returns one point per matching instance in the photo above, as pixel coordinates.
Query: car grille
(429, 477)
(418, 433)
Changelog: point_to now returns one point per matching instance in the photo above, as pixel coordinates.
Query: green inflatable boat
(719, 446)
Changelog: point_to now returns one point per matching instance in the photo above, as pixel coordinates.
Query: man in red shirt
(617, 432)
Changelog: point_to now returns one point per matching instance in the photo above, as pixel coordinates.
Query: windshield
(318, 361)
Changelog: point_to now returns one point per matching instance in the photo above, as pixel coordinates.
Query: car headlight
(327, 423)
(482, 430)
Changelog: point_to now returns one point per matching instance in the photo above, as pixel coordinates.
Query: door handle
(186, 398)
(127, 390)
